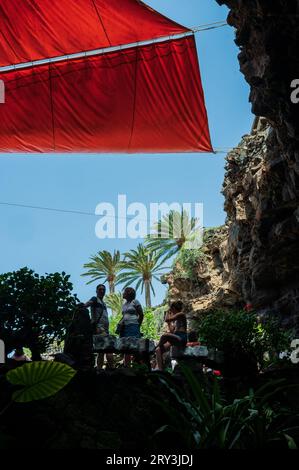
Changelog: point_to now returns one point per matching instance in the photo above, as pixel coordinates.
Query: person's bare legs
(127, 359)
(110, 361)
(159, 357)
(166, 341)
(100, 361)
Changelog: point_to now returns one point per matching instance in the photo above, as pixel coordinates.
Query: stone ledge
(113, 344)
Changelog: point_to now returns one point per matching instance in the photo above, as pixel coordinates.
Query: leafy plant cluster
(34, 310)
(239, 332)
(254, 421)
(187, 261)
(194, 416)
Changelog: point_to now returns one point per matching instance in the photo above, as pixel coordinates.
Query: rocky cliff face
(209, 286)
(258, 254)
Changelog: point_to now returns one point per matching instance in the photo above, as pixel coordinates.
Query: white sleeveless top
(130, 315)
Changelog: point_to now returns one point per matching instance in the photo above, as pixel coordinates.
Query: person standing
(100, 321)
(132, 318)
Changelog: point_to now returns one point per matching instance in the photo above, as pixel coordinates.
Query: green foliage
(171, 233)
(149, 327)
(159, 313)
(115, 303)
(113, 322)
(39, 380)
(104, 267)
(251, 422)
(235, 332)
(187, 261)
(34, 310)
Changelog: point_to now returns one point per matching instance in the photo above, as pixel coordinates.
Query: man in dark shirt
(100, 321)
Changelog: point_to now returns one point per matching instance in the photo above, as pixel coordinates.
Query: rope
(66, 211)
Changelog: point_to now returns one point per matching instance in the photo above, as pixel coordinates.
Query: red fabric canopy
(39, 29)
(145, 99)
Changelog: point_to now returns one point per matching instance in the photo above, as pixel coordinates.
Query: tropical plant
(104, 267)
(34, 310)
(113, 322)
(242, 335)
(200, 421)
(170, 234)
(114, 302)
(39, 380)
(149, 327)
(142, 266)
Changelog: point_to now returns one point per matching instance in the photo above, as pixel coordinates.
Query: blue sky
(49, 241)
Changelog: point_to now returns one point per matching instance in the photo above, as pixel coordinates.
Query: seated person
(177, 335)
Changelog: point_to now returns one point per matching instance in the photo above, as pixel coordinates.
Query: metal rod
(94, 52)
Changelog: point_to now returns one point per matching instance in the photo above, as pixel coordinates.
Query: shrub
(242, 333)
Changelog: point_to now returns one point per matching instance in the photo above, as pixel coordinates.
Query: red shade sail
(39, 29)
(146, 98)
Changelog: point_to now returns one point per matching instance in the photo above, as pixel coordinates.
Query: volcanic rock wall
(259, 253)
(261, 185)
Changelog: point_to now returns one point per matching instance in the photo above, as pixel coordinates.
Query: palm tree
(104, 267)
(171, 233)
(115, 303)
(142, 267)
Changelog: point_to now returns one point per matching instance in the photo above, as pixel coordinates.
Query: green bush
(149, 327)
(240, 332)
(35, 310)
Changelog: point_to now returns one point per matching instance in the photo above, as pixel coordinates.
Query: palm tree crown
(171, 233)
(104, 267)
(142, 267)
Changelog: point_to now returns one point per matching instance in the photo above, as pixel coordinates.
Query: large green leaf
(39, 379)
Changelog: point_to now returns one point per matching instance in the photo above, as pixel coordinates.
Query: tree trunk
(147, 288)
(111, 287)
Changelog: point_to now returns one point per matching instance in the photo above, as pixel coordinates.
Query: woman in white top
(132, 315)
(131, 320)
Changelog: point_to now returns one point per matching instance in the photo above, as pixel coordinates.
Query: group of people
(130, 324)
